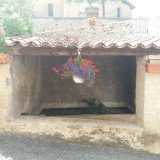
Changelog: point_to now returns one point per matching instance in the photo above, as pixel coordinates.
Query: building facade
(112, 10)
(49, 8)
(60, 9)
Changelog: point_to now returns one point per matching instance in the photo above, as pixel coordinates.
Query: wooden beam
(84, 51)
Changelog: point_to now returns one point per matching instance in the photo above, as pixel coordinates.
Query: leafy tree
(102, 2)
(81, 1)
(16, 16)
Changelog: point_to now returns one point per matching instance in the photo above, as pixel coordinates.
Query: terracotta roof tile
(80, 41)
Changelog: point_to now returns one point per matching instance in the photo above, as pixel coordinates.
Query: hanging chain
(147, 56)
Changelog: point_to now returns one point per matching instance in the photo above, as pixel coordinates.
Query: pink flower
(2, 31)
(86, 67)
(61, 70)
(66, 65)
(82, 68)
(54, 69)
(73, 74)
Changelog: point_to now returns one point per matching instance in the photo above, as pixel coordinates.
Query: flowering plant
(92, 19)
(148, 61)
(3, 47)
(82, 68)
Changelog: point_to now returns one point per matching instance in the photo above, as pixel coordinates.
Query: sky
(146, 8)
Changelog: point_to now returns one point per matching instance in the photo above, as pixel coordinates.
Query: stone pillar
(139, 98)
(148, 96)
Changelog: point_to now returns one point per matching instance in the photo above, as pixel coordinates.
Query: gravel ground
(24, 148)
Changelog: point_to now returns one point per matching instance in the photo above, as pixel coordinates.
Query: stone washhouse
(28, 85)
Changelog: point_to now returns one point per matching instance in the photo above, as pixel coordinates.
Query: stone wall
(41, 8)
(82, 26)
(114, 84)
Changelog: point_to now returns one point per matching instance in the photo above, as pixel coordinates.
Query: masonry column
(139, 98)
(148, 96)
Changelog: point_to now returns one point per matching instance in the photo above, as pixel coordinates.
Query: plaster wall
(26, 85)
(36, 87)
(110, 7)
(41, 8)
(147, 96)
(148, 104)
(152, 100)
(111, 10)
(62, 9)
(4, 91)
(114, 84)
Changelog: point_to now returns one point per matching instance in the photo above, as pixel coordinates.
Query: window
(118, 12)
(50, 10)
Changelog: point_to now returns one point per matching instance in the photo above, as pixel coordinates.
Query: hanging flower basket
(78, 79)
(152, 68)
(80, 70)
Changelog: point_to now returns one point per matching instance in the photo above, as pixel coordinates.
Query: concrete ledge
(78, 130)
(131, 118)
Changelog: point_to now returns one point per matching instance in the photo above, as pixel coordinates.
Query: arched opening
(50, 10)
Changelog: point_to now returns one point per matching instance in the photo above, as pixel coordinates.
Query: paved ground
(23, 148)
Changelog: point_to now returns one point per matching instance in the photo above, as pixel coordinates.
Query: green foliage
(92, 19)
(16, 17)
(24, 114)
(96, 106)
(92, 1)
(81, 1)
(3, 47)
(19, 27)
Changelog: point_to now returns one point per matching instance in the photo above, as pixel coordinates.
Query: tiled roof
(133, 41)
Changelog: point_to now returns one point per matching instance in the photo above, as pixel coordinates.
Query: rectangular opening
(118, 12)
(38, 90)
